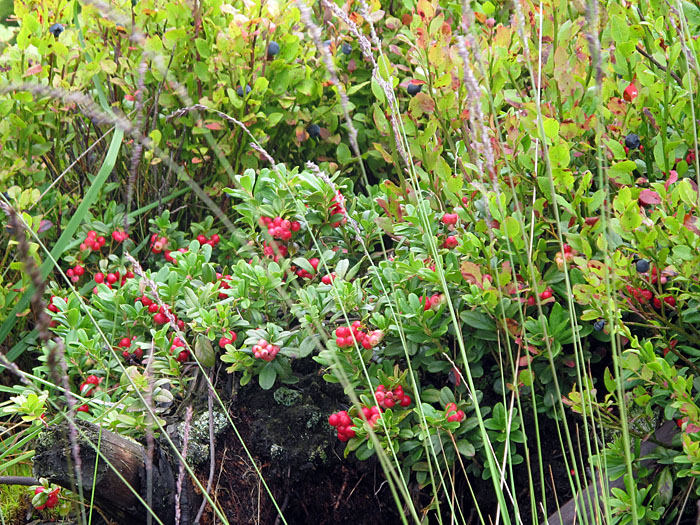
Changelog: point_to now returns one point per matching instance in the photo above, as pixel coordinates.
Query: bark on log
(54, 460)
(573, 511)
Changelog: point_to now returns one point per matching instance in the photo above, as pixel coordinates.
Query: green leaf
(619, 29)
(465, 448)
(267, 377)
(204, 352)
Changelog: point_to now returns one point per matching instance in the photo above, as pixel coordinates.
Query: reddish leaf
(649, 197)
(471, 273)
(692, 223)
(33, 70)
(214, 126)
(672, 177)
(524, 361)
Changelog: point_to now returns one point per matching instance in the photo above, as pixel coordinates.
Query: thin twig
(212, 451)
(651, 59)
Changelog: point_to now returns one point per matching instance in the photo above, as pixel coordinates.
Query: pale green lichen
(286, 396)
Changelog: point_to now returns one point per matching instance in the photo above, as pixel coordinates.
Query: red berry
(451, 242)
(333, 420)
(101, 240)
(160, 318)
(79, 270)
(630, 93)
(215, 238)
(91, 234)
(52, 501)
(546, 294)
(201, 239)
(138, 353)
(314, 263)
(70, 272)
(112, 278)
(405, 401)
(125, 342)
(92, 380)
(224, 341)
(99, 278)
(83, 408)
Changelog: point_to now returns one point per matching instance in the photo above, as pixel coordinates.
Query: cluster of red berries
(224, 284)
(92, 242)
(453, 414)
(75, 273)
(341, 420)
(449, 218)
(337, 207)
(275, 250)
(159, 312)
(567, 255)
(306, 275)
(178, 347)
(328, 278)
(430, 302)
(545, 295)
(158, 244)
(371, 415)
(51, 500)
(345, 336)
(641, 295)
(87, 387)
(52, 307)
(265, 351)
(389, 398)
(211, 241)
(280, 228)
(125, 344)
(119, 236)
(112, 278)
(228, 339)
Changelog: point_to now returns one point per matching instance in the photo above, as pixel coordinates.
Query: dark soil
(300, 458)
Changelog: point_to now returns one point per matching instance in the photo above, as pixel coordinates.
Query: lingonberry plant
(497, 240)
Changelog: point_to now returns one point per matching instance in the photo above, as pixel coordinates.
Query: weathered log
(573, 511)
(54, 460)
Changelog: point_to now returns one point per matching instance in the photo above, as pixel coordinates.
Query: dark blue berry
(273, 48)
(314, 131)
(239, 90)
(414, 89)
(599, 325)
(56, 30)
(346, 48)
(632, 141)
(642, 266)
